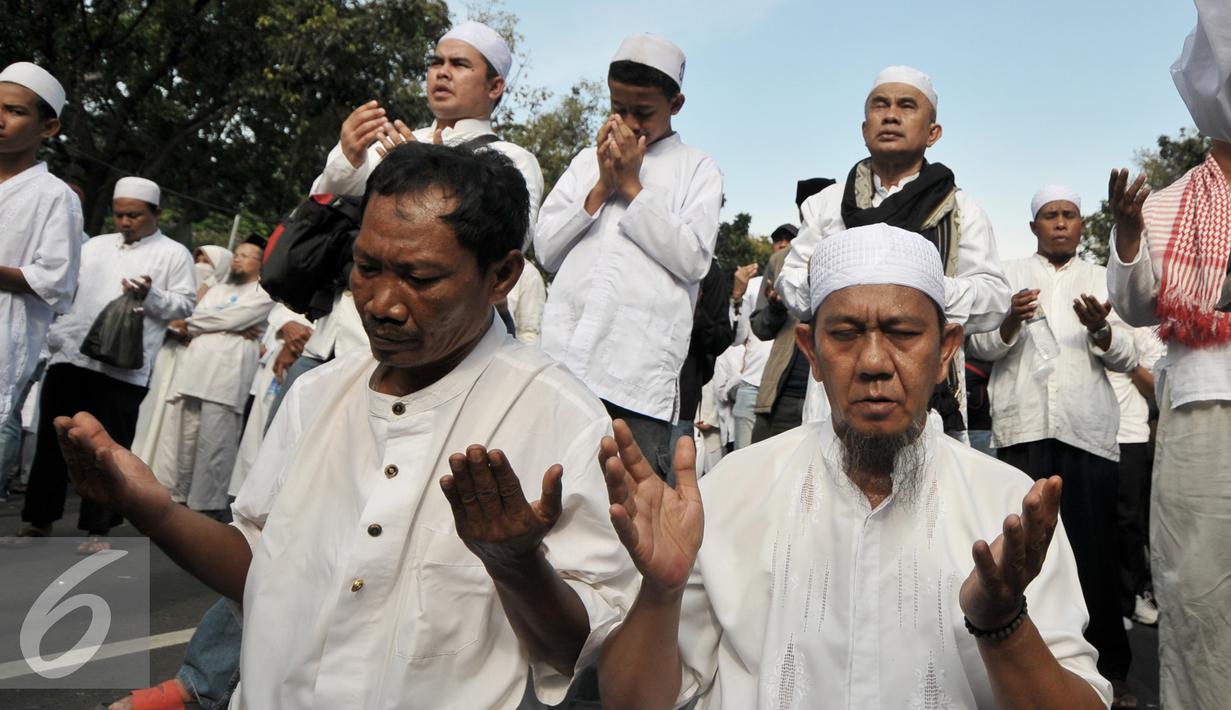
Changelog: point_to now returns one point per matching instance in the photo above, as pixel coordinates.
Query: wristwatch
(1105, 330)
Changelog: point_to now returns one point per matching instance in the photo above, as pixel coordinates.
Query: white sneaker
(1145, 611)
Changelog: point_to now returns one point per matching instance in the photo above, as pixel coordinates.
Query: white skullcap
(488, 41)
(1203, 72)
(137, 189)
(873, 255)
(653, 51)
(907, 75)
(38, 80)
(1052, 193)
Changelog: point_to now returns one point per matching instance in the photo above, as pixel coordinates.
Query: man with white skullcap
(465, 82)
(629, 231)
(138, 259)
(1060, 416)
(41, 248)
(1169, 268)
(836, 569)
(896, 185)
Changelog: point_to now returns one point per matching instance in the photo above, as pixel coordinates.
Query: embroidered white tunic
(361, 594)
(620, 310)
(40, 228)
(105, 262)
(805, 597)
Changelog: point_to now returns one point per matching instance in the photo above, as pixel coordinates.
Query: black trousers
(67, 390)
(1133, 516)
(653, 437)
(787, 413)
(1088, 509)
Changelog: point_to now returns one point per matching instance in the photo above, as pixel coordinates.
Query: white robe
(804, 597)
(40, 228)
(425, 625)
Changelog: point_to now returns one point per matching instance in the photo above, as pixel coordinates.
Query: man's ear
(677, 103)
(934, 134)
(807, 345)
(950, 340)
(506, 271)
(50, 128)
(495, 88)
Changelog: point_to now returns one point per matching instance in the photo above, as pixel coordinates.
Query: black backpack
(308, 258)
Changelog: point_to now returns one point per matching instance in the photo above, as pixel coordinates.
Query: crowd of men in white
(855, 551)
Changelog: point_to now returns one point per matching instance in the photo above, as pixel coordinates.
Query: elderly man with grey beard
(837, 565)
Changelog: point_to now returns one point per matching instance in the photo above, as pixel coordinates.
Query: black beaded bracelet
(1004, 631)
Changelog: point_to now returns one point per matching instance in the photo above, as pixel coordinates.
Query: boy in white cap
(836, 569)
(1169, 268)
(629, 231)
(40, 228)
(138, 259)
(1061, 417)
(898, 186)
(465, 82)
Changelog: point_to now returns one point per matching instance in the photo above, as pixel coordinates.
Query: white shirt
(756, 351)
(726, 374)
(338, 332)
(106, 261)
(40, 224)
(426, 626)
(1134, 409)
(526, 302)
(1075, 404)
(1194, 374)
(620, 310)
(342, 178)
(977, 297)
(219, 363)
(804, 597)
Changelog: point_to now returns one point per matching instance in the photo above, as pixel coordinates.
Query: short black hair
(493, 205)
(637, 74)
(491, 74)
(45, 111)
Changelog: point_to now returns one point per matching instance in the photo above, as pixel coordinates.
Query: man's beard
(236, 278)
(900, 458)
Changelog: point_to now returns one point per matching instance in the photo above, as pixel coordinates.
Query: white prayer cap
(873, 255)
(900, 74)
(137, 189)
(1203, 72)
(488, 41)
(38, 80)
(653, 51)
(1052, 193)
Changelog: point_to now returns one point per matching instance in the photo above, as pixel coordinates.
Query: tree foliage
(1162, 166)
(736, 246)
(558, 133)
(230, 105)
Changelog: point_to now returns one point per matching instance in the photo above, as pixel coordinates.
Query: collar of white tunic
(122, 245)
(24, 176)
(464, 127)
(884, 192)
(459, 380)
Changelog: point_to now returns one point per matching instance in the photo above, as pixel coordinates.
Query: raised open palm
(106, 472)
(661, 527)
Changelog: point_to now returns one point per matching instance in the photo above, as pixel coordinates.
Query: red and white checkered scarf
(1195, 262)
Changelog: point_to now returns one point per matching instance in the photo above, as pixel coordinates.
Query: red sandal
(167, 695)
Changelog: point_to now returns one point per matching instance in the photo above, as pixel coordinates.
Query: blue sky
(1030, 93)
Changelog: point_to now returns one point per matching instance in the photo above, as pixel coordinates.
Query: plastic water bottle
(1044, 340)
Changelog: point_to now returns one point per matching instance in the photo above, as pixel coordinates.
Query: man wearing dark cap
(784, 382)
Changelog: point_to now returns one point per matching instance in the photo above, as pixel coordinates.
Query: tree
(1163, 166)
(230, 105)
(556, 135)
(737, 247)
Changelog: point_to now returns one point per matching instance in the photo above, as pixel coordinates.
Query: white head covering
(653, 51)
(221, 260)
(900, 74)
(138, 189)
(873, 255)
(488, 41)
(1052, 193)
(38, 80)
(1203, 72)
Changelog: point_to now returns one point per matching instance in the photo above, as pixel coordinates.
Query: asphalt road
(177, 602)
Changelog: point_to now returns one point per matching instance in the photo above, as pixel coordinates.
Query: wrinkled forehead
(874, 303)
(455, 48)
(894, 91)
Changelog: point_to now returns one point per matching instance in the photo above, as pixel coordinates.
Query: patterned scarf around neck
(1195, 261)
